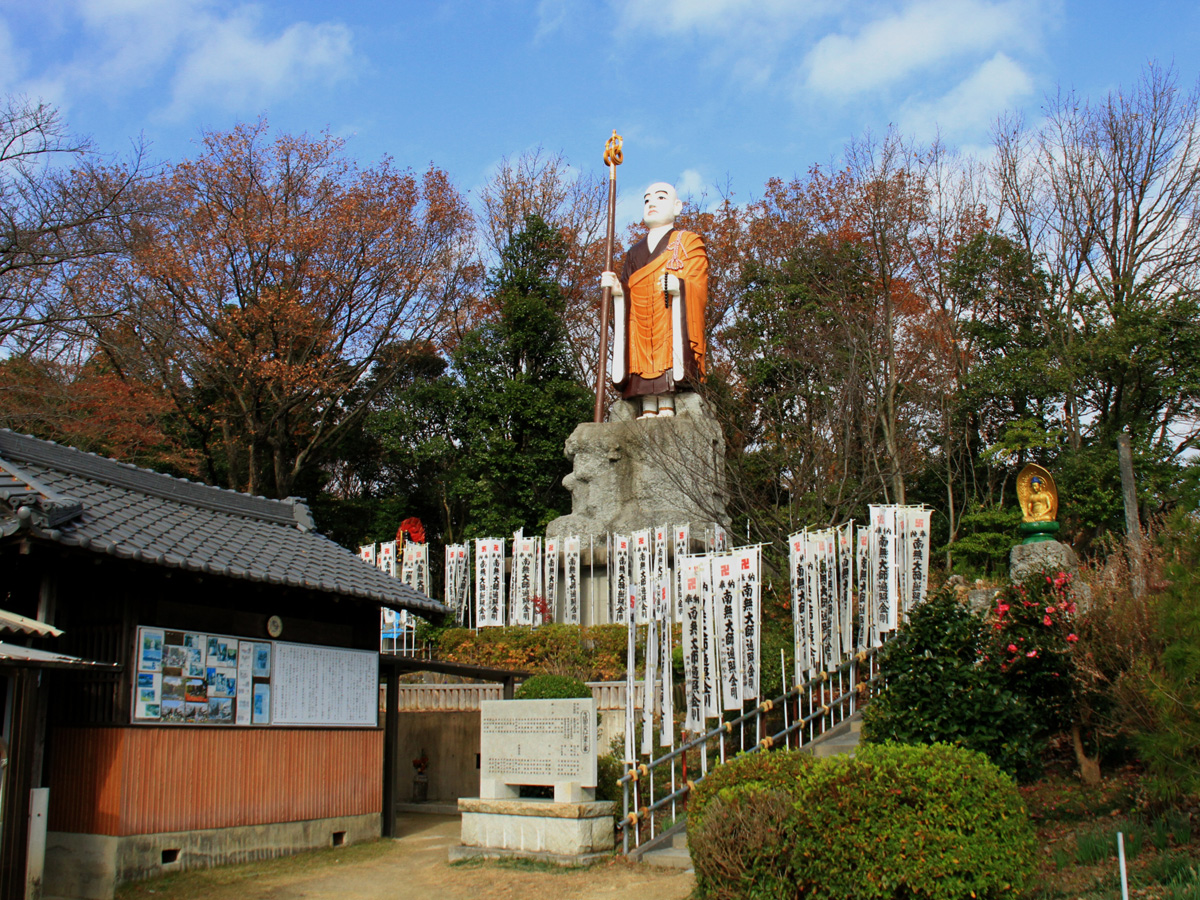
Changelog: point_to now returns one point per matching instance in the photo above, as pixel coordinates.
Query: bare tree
(58, 201)
(1106, 194)
(574, 204)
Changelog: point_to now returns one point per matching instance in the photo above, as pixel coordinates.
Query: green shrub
(893, 822)
(941, 687)
(740, 848)
(1163, 694)
(609, 770)
(775, 771)
(898, 821)
(552, 687)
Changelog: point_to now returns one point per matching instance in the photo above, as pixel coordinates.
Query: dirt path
(412, 867)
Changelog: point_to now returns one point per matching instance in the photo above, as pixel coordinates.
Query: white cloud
(922, 35)
(972, 106)
(690, 184)
(232, 66)
(711, 15)
(207, 53)
(10, 66)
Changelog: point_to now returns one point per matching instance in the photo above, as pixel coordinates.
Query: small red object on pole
(613, 157)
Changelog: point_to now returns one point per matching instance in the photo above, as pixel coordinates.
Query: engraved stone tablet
(547, 742)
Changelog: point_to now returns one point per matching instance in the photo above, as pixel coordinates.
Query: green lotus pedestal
(1037, 532)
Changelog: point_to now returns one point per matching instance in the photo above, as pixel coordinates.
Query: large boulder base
(630, 474)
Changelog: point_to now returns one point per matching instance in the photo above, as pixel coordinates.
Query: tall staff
(612, 158)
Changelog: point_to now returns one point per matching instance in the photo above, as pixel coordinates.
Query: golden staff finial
(612, 150)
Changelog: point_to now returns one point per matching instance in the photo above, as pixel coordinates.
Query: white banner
(525, 587)
(496, 570)
(663, 614)
(711, 683)
(887, 586)
(571, 599)
(641, 573)
(682, 549)
(720, 540)
(386, 560)
(801, 629)
(550, 578)
(620, 558)
(414, 568)
(367, 553)
(457, 581)
(866, 608)
(693, 641)
(730, 639)
(919, 555)
(489, 582)
(845, 599)
(749, 564)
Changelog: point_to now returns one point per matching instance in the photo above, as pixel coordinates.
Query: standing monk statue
(659, 303)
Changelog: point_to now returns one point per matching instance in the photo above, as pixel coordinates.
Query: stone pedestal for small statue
(1043, 556)
(631, 474)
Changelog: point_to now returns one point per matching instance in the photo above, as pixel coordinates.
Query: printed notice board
(325, 685)
(194, 678)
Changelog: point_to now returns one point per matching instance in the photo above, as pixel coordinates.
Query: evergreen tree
(516, 400)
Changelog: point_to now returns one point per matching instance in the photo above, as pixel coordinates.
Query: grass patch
(517, 863)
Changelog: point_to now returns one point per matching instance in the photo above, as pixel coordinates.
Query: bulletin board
(195, 678)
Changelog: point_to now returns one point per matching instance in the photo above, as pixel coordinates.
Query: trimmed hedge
(892, 822)
(777, 771)
(552, 687)
(591, 653)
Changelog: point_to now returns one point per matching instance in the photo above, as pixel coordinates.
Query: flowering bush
(943, 685)
(1033, 635)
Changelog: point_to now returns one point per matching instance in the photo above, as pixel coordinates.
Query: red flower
(1012, 648)
(1072, 638)
(1046, 620)
(1031, 654)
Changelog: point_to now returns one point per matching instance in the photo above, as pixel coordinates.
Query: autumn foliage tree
(274, 286)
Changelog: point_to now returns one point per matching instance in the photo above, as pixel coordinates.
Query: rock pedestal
(565, 833)
(1044, 556)
(631, 474)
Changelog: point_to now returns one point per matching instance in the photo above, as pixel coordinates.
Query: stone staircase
(670, 849)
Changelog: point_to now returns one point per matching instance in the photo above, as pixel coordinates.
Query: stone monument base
(563, 833)
(1045, 556)
(629, 475)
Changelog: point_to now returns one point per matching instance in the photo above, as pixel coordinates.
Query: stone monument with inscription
(550, 743)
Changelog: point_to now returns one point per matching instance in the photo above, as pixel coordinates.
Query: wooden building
(241, 718)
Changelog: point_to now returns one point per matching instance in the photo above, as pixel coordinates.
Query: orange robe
(661, 345)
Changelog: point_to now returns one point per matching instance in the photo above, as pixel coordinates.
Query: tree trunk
(1133, 526)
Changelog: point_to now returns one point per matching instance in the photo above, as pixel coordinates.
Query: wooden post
(612, 158)
(391, 747)
(1133, 525)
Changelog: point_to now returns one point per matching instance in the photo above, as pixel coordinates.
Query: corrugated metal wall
(123, 781)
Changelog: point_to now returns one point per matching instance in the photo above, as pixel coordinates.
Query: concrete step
(846, 744)
(669, 857)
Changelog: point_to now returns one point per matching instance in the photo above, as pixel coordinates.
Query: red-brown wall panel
(123, 781)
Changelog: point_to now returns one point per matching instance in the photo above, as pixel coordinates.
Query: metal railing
(809, 710)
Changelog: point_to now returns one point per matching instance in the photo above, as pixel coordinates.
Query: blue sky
(707, 93)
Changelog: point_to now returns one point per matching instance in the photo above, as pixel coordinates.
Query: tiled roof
(97, 504)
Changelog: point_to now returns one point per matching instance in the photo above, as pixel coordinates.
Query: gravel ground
(412, 867)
